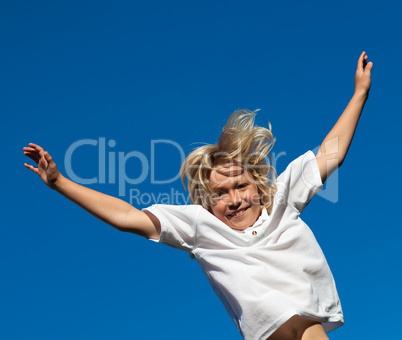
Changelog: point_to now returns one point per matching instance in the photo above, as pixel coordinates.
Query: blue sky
(138, 72)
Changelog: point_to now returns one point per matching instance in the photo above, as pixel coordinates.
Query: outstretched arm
(336, 144)
(116, 212)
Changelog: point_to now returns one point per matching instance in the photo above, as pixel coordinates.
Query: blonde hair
(242, 143)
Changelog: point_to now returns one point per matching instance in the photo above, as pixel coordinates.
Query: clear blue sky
(136, 71)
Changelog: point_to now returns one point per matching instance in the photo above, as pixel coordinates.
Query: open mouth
(238, 213)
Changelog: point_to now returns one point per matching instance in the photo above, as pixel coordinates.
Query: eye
(217, 196)
(242, 186)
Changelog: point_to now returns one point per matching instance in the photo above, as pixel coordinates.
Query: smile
(238, 213)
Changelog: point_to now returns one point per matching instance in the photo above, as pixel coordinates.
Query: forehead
(228, 174)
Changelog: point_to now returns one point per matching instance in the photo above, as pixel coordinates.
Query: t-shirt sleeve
(299, 182)
(178, 224)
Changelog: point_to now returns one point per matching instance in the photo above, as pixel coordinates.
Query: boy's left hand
(363, 75)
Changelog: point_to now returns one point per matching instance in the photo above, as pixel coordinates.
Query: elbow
(124, 229)
(341, 159)
(120, 228)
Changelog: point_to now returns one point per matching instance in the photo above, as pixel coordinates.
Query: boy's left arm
(336, 144)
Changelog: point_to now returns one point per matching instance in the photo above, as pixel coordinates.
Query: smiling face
(235, 199)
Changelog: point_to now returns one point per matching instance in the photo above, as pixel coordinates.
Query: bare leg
(315, 332)
(299, 328)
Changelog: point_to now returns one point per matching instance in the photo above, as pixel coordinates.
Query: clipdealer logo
(110, 173)
(107, 159)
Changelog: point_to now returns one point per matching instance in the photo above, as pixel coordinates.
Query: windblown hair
(241, 143)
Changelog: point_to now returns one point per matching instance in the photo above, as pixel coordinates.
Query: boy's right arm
(116, 212)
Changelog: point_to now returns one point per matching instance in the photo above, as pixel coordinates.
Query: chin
(245, 222)
(241, 225)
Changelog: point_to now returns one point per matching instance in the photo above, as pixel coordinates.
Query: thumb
(368, 67)
(48, 157)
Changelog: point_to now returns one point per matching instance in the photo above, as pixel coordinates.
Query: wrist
(361, 94)
(57, 184)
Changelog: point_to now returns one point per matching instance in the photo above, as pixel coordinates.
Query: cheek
(218, 210)
(253, 196)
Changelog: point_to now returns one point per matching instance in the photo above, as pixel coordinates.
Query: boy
(244, 229)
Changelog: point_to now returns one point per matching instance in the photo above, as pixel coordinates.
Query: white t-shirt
(266, 273)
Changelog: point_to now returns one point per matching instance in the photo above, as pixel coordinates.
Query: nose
(234, 198)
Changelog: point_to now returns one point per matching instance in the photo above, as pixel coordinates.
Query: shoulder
(302, 165)
(178, 224)
(177, 210)
(175, 215)
(299, 182)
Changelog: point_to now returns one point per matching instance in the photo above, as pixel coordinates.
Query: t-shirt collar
(263, 217)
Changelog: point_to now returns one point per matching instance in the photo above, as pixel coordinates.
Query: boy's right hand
(114, 211)
(46, 167)
(363, 75)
